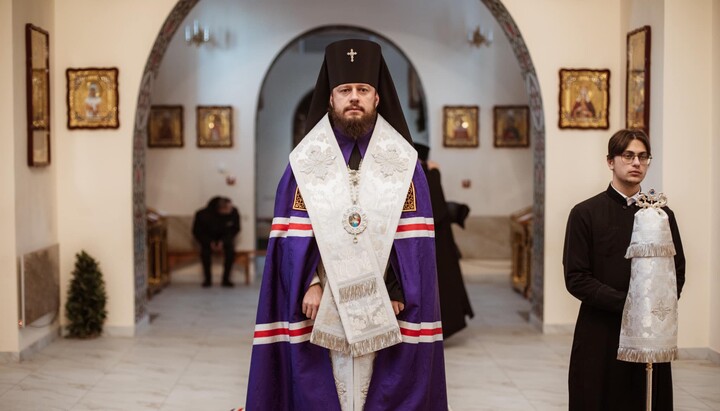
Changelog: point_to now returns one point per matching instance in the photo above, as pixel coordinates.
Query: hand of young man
(397, 306)
(311, 301)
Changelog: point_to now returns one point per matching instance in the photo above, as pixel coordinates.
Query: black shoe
(228, 284)
(206, 284)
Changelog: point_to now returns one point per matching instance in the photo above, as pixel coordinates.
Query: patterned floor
(195, 356)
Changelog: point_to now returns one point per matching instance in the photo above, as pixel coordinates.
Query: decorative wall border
(173, 21)
(537, 135)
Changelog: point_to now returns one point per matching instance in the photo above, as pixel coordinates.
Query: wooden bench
(242, 259)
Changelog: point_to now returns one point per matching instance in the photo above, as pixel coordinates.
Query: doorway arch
(289, 79)
(537, 134)
(167, 31)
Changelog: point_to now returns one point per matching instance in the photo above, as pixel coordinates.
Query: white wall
(575, 166)
(94, 167)
(287, 82)
(636, 14)
(715, 186)
(8, 269)
(35, 195)
(431, 34)
(575, 159)
(34, 187)
(675, 26)
(687, 155)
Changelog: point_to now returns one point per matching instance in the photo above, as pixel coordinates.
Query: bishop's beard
(354, 127)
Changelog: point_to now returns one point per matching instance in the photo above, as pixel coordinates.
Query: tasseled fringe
(376, 343)
(359, 290)
(650, 250)
(647, 355)
(329, 341)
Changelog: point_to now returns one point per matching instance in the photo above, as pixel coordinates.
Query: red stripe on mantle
(415, 227)
(283, 331)
(421, 332)
(291, 226)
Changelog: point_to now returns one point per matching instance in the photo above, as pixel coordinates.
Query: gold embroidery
(298, 203)
(410, 204)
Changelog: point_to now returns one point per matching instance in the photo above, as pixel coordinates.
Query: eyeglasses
(643, 158)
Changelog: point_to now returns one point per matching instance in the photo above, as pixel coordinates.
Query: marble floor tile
(476, 374)
(136, 384)
(137, 379)
(488, 397)
(30, 405)
(683, 400)
(9, 374)
(128, 397)
(195, 355)
(12, 373)
(553, 396)
(44, 392)
(91, 405)
(204, 396)
(4, 387)
(71, 371)
(550, 380)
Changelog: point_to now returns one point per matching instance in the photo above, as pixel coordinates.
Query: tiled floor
(195, 356)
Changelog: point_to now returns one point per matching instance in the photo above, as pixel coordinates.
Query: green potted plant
(85, 306)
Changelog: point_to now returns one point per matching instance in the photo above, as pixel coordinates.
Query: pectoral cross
(352, 53)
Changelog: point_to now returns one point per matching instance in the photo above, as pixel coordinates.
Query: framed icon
(584, 98)
(460, 126)
(214, 126)
(37, 50)
(511, 126)
(637, 86)
(92, 98)
(165, 127)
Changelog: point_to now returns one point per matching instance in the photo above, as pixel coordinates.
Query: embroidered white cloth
(355, 314)
(648, 333)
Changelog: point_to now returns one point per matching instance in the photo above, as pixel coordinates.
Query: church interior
(124, 118)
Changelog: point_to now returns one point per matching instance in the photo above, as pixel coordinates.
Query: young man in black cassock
(598, 274)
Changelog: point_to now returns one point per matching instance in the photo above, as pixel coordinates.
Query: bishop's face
(354, 100)
(352, 107)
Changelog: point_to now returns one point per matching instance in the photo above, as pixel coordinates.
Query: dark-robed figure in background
(454, 301)
(215, 228)
(598, 274)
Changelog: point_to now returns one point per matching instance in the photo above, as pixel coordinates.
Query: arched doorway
(288, 81)
(537, 134)
(170, 26)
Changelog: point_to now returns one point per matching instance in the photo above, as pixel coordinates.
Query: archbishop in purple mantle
(348, 316)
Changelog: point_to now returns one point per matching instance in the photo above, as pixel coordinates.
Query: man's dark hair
(214, 203)
(621, 140)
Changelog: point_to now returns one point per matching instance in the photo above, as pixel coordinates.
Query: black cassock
(598, 274)
(454, 301)
(210, 226)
